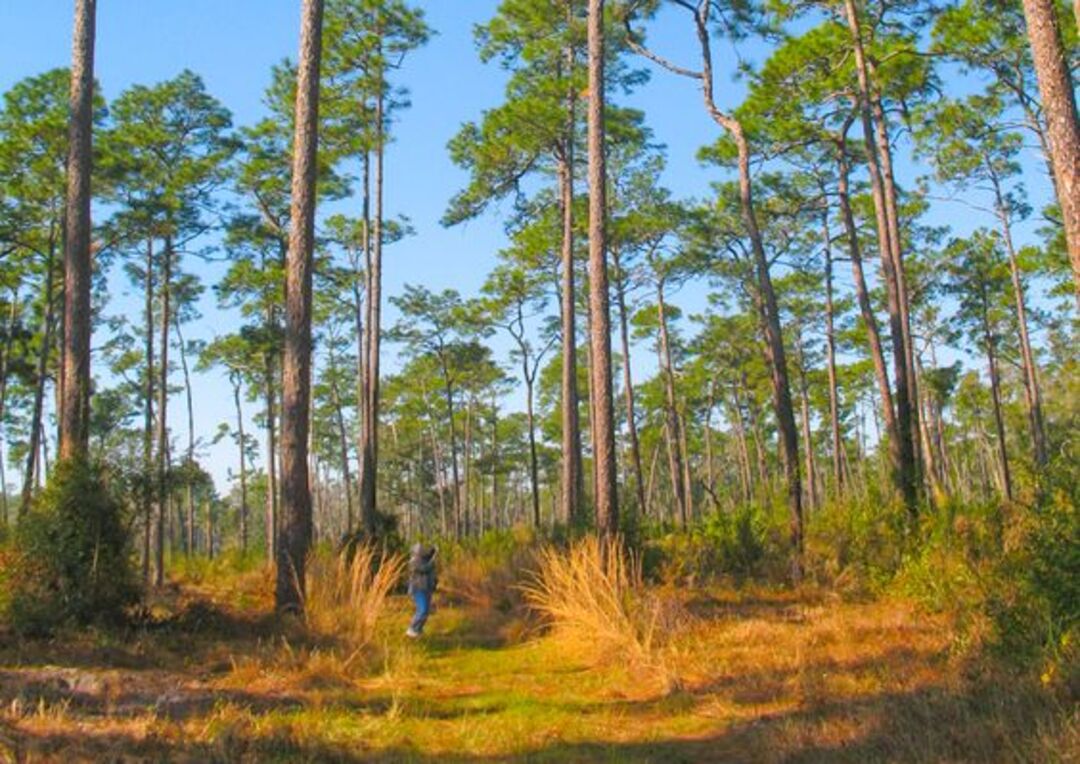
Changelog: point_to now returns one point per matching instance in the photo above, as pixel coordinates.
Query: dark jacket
(422, 575)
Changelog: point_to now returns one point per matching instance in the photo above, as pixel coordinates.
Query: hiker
(422, 583)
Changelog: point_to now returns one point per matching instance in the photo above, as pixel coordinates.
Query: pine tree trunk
(5, 363)
(148, 411)
(343, 443)
(804, 409)
(189, 488)
(40, 378)
(995, 393)
(1032, 393)
(904, 433)
(601, 389)
(78, 265)
(628, 384)
(534, 469)
(272, 492)
(830, 358)
(676, 457)
(296, 515)
(572, 478)
(243, 466)
(369, 471)
(162, 474)
(1059, 108)
(745, 472)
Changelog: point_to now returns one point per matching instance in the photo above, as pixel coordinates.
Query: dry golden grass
(599, 608)
(346, 596)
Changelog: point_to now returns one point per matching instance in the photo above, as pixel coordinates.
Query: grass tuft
(347, 595)
(595, 599)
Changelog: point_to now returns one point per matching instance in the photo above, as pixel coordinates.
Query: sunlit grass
(764, 675)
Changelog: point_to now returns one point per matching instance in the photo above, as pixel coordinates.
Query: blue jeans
(423, 607)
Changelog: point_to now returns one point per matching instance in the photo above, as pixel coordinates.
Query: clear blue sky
(233, 43)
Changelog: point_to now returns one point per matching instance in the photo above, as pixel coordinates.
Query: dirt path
(764, 677)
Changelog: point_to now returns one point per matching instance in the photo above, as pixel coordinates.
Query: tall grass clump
(72, 563)
(346, 594)
(594, 597)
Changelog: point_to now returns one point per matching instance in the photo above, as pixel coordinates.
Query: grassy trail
(761, 676)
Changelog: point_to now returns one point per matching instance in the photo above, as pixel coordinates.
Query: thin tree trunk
(40, 378)
(904, 432)
(688, 476)
(628, 383)
(710, 476)
(162, 420)
(1059, 108)
(148, 412)
(676, 457)
(467, 508)
(360, 313)
(243, 466)
(804, 406)
(5, 363)
(1032, 393)
(370, 456)
(343, 441)
(745, 473)
(75, 375)
(995, 392)
(534, 469)
(572, 478)
(448, 392)
(296, 520)
(189, 486)
(830, 357)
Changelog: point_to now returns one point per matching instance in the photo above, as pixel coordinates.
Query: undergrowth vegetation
(72, 560)
(595, 598)
(347, 593)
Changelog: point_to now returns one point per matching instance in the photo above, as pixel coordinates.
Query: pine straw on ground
(764, 676)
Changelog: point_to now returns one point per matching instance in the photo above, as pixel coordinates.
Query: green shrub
(73, 561)
(740, 544)
(1036, 609)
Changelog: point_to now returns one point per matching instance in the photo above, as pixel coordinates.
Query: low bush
(740, 544)
(73, 561)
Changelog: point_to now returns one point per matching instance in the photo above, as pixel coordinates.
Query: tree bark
(189, 488)
(40, 378)
(148, 410)
(369, 471)
(5, 363)
(296, 521)
(607, 507)
(904, 432)
(995, 393)
(534, 470)
(1032, 392)
(676, 456)
(1059, 108)
(572, 478)
(804, 407)
(75, 388)
(343, 443)
(830, 357)
(162, 474)
(236, 381)
(628, 384)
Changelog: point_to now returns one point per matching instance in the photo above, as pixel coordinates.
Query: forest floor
(761, 675)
